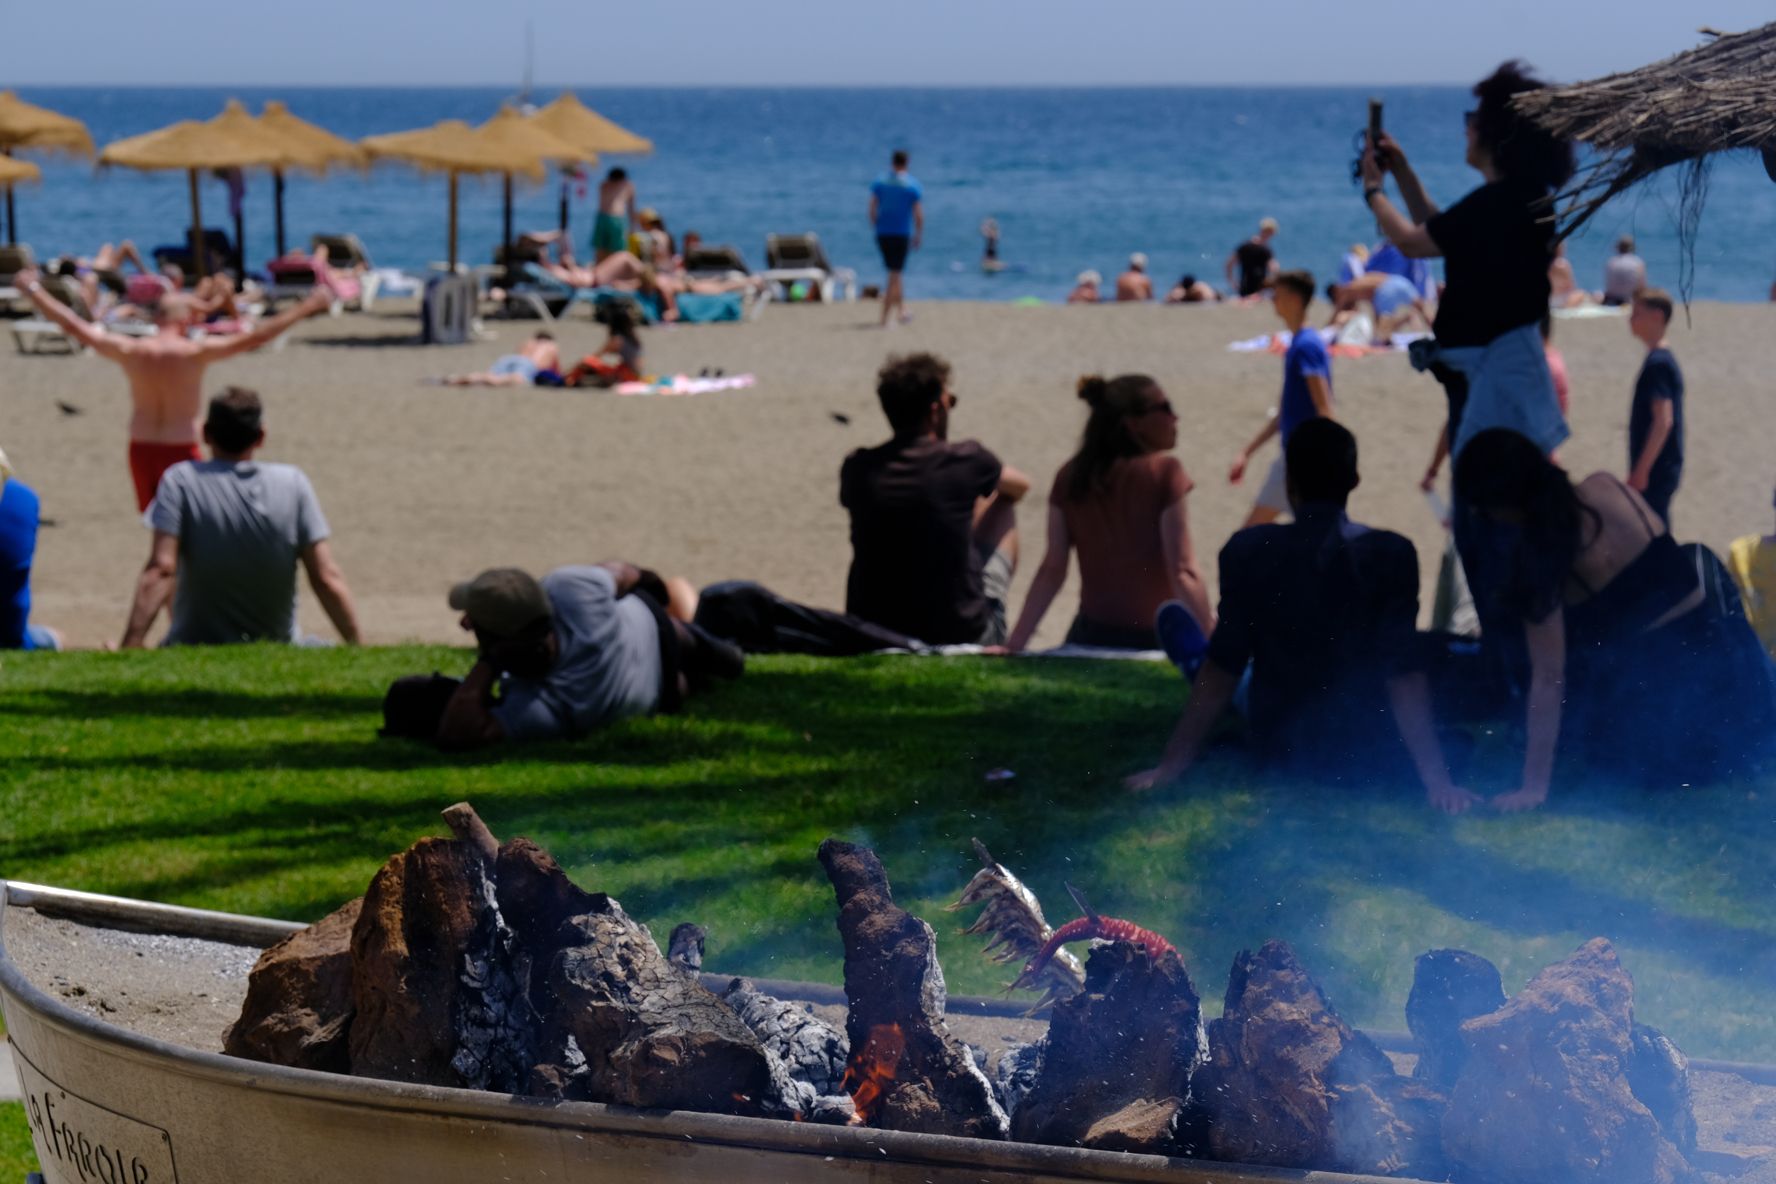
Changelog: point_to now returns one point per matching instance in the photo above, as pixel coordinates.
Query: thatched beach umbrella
(1719, 97)
(455, 148)
(586, 129)
(26, 126)
(311, 148)
(509, 129)
(232, 140)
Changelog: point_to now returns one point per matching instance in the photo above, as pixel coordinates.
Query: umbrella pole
(452, 256)
(564, 205)
(277, 198)
(12, 230)
(240, 243)
(506, 243)
(199, 256)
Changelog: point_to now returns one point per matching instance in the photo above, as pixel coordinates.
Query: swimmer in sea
(990, 260)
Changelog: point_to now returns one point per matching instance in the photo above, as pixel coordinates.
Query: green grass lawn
(16, 1158)
(251, 780)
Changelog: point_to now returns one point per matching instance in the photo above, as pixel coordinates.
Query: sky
(844, 42)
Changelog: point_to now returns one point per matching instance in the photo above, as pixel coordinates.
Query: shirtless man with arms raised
(165, 373)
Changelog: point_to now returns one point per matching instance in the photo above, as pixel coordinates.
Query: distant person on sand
(20, 515)
(1190, 290)
(1753, 563)
(1087, 288)
(1135, 284)
(1120, 503)
(622, 348)
(934, 537)
(1637, 665)
(616, 209)
(165, 372)
(228, 535)
(575, 651)
(1307, 394)
(1323, 613)
(536, 356)
(1255, 261)
(1563, 285)
(1656, 418)
(1496, 244)
(1624, 274)
(897, 214)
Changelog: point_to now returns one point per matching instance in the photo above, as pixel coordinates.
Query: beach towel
(699, 309)
(1278, 343)
(1585, 312)
(685, 384)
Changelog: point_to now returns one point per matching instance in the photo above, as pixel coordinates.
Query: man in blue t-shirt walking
(898, 215)
(1307, 393)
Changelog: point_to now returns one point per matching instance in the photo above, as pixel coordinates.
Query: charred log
(685, 947)
(1449, 987)
(1289, 1083)
(907, 1071)
(812, 1050)
(1117, 1064)
(298, 1009)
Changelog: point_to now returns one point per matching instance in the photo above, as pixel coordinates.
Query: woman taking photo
(1120, 502)
(1639, 651)
(1496, 245)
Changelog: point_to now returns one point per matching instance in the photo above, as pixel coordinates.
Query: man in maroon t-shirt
(933, 524)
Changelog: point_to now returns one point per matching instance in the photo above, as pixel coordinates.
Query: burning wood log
(811, 1049)
(649, 1035)
(1546, 1093)
(298, 1009)
(685, 947)
(907, 1071)
(1117, 1064)
(1449, 987)
(1289, 1083)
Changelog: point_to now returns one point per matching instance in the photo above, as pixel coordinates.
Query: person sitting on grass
(539, 355)
(933, 524)
(19, 518)
(1307, 394)
(229, 533)
(1320, 615)
(1752, 560)
(1120, 502)
(1640, 657)
(579, 649)
(623, 344)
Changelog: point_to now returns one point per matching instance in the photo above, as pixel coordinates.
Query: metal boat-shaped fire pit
(105, 1103)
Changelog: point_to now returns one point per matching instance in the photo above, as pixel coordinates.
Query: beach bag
(761, 622)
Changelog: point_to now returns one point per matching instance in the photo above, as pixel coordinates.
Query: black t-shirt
(1659, 379)
(1325, 611)
(914, 566)
(1496, 252)
(1254, 259)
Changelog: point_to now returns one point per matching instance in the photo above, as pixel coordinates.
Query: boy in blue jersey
(1307, 393)
(898, 215)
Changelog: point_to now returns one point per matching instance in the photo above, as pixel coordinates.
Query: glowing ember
(871, 1069)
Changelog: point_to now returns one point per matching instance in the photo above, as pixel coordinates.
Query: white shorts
(1274, 494)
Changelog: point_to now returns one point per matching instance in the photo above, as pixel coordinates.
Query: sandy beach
(425, 485)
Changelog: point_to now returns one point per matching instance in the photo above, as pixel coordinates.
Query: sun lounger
(552, 298)
(30, 336)
(14, 258)
(218, 250)
(799, 258)
(716, 262)
(345, 252)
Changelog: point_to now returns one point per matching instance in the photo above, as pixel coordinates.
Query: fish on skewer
(1013, 920)
(1090, 926)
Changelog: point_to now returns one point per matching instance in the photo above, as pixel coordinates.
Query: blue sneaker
(1181, 638)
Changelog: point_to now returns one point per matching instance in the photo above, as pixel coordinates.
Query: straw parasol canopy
(1718, 97)
(14, 171)
(231, 140)
(312, 149)
(511, 129)
(454, 148)
(585, 128)
(577, 123)
(27, 126)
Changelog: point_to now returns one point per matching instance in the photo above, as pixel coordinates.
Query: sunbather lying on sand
(535, 356)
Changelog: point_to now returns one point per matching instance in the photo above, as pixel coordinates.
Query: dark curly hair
(1107, 438)
(1501, 470)
(908, 385)
(1520, 149)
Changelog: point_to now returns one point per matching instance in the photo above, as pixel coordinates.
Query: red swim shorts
(148, 461)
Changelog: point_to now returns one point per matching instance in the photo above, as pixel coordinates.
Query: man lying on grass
(581, 648)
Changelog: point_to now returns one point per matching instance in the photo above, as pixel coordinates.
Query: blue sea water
(1075, 178)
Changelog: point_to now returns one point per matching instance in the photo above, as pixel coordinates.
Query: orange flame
(871, 1070)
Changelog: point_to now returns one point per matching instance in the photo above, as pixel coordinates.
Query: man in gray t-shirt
(1624, 273)
(581, 648)
(229, 533)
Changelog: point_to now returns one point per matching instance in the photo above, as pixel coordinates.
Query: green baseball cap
(502, 601)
